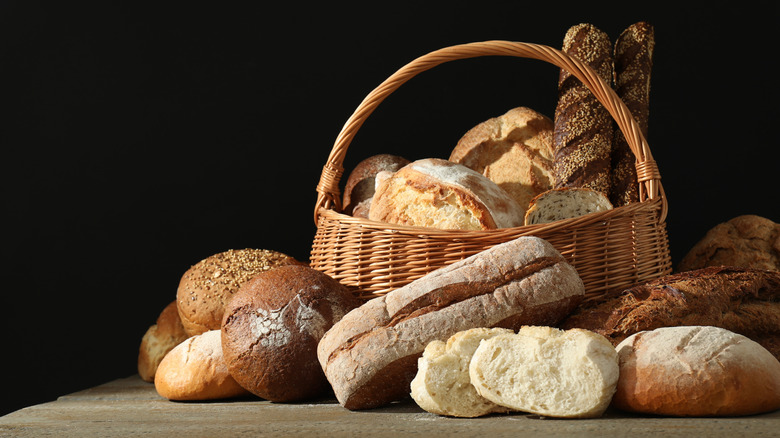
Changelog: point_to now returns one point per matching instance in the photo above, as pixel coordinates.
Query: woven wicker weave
(610, 250)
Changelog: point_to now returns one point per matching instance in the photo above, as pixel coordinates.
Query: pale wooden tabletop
(130, 407)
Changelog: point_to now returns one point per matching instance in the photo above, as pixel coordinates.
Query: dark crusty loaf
(633, 64)
(745, 301)
(582, 137)
(370, 356)
(360, 186)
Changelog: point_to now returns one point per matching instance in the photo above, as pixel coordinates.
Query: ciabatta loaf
(370, 355)
(547, 371)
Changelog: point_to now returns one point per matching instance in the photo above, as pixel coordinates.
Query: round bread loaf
(696, 371)
(195, 370)
(158, 340)
(360, 185)
(441, 194)
(272, 326)
(514, 150)
(747, 241)
(208, 285)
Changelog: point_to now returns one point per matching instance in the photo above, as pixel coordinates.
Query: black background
(137, 140)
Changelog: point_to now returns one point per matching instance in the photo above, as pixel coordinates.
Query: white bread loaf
(547, 371)
(696, 371)
(195, 370)
(565, 203)
(437, 193)
(370, 355)
(442, 384)
(159, 339)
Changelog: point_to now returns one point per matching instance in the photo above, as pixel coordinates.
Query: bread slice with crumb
(565, 203)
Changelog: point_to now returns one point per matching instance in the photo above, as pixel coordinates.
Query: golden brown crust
(583, 127)
(206, 287)
(158, 340)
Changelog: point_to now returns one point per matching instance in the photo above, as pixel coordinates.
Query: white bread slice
(442, 384)
(565, 203)
(547, 371)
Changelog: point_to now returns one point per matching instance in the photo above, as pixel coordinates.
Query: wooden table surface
(130, 407)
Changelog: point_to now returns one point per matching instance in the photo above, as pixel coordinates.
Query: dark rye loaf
(370, 356)
(742, 300)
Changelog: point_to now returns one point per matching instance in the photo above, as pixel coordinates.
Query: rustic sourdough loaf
(745, 301)
(547, 371)
(437, 193)
(513, 150)
(370, 356)
(565, 203)
(160, 338)
(696, 371)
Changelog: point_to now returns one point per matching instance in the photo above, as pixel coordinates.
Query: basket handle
(648, 176)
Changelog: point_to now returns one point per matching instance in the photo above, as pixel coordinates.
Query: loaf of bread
(513, 150)
(442, 384)
(633, 64)
(546, 371)
(207, 286)
(696, 371)
(745, 301)
(360, 186)
(160, 338)
(583, 129)
(747, 241)
(195, 370)
(437, 193)
(565, 203)
(272, 326)
(370, 356)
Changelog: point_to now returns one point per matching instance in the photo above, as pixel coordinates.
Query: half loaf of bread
(565, 203)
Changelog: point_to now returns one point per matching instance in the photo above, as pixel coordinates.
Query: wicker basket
(610, 250)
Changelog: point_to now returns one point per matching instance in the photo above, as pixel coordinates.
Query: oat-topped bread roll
(360, 186)
(745, 301)
(207, 286)
(583, 127)
(513, 150)
(633, 64)
(438, 193)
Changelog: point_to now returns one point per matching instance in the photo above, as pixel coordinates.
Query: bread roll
(272, 326)
(442, 384)
(565, 203)
(745, 301)
(195, 370)
(437, 193)
(370, 356)
(360, 186)
(696, 371)
(633, 64)
(584, 129)
(546, 371)
(747, 241)
(208, 285)
(513, 150)
(159, 339)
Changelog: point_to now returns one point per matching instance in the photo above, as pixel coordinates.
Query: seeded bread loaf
(370, 356)
(633, 64)
(745, 301)
(584, 129)
(437, 193)
(513, 150)
(565, 203)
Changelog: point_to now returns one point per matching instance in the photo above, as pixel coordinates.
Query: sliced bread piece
(547, 371)
(565, 203)
(442, 384)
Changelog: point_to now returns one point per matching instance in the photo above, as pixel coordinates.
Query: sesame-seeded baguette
(584, 129)
(633, 63)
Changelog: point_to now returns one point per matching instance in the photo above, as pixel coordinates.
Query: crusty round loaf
(159, 339)
(360, 186)
(207, 286)
(696, 371)
(514, 150)
(747, 241)
(437, 193)
(195, 370)
(272, 326)
(565, 203)
(547, 371)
